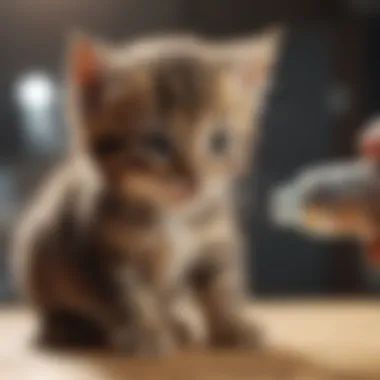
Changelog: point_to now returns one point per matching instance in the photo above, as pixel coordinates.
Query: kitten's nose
(190, 183)
(186, 186)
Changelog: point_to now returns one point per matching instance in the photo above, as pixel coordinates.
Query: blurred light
(37, 97)
(35, 91)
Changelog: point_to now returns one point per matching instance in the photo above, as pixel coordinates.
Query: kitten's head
(168, 119)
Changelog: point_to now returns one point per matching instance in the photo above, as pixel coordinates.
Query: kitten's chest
(184, 244)
(188, 241)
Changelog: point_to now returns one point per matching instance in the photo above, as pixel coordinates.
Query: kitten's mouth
(168, 196)
(183, 194)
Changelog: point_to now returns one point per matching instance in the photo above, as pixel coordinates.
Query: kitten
(134, 241)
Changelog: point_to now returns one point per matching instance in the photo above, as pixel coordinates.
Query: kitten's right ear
(86, 70)
(252, 58)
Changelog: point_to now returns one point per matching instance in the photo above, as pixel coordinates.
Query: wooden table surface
(306, 341)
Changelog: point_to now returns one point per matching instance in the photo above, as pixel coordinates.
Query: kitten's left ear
(87, 67)
(253, 58)
(86, 61)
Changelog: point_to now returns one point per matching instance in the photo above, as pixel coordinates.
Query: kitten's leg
(146, 332)
(131, 322)
(188, 320)
(130, 315)
(220, 284)
(119, 304)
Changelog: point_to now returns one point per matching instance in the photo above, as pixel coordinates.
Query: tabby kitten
(134, 240)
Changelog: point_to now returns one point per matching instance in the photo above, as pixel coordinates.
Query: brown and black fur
(134, 242)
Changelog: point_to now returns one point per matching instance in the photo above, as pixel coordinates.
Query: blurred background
(327, 84)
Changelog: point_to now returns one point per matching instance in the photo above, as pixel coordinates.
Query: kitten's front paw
(189, 325)
(138, 341)
(238, 330)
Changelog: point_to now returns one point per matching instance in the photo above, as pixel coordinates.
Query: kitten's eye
(109, 145)
(158, 143)
(219, 142)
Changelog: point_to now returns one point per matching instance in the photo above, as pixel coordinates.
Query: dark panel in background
(230, 18)
(297, 131)
(347, 270)
(373, 64)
